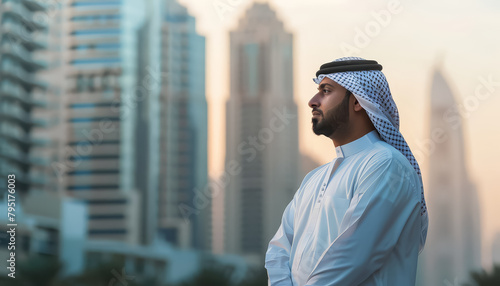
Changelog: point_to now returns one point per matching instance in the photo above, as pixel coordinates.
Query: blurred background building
(183, 132)
(138, 136)
(98, 121)
(21, 92)
(453, 247)
(262, 131)
(101, 65)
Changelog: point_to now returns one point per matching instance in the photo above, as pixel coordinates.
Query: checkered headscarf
(372, 92)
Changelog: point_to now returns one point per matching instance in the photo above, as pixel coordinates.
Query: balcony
(22, 55)
(18, 73)
(17, 10)
(9, 152)
(35, 5)
(8, 168)
(31, 40)
(14, 113)
(14, 133)
(15, 93)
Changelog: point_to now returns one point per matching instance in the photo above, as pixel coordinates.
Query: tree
(255, 277)
(36, 270)
(212, 274)
(483, 278)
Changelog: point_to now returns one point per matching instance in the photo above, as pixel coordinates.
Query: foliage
(39, 270)
(216, 274)
(212, 274)
(36, 270)
(255, 277)
(483, 278)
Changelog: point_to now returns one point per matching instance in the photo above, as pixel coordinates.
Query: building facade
(22, 91)
(183, 132)
(453, 247)
(261, 131)
(102, 87)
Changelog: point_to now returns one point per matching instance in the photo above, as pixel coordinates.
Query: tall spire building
(453, 245)
(262, 131)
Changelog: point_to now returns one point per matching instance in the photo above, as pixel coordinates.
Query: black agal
(349, 65)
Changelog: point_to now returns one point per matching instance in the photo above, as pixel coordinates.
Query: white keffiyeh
(372, 91)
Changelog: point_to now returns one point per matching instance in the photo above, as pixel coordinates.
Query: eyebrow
(323, 85)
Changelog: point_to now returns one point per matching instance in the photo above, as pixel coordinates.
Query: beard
(333, 120)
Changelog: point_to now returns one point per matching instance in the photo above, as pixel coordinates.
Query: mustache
(317, 110)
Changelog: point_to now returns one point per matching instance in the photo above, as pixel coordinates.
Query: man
(360, 219)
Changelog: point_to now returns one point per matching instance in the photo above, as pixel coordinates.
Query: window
(107, 231)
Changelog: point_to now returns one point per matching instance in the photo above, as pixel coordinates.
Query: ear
(357, 106)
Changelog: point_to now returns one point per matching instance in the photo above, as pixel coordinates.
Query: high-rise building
(147, 126)
(262, 153)
(22, 35)
(103, 86)
(453, 247)
(183, 132)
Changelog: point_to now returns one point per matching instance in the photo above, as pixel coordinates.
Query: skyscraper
(21, 92)
(183, 131)
(148, 121)
(262, 131)
(453, 247)
(102, 89)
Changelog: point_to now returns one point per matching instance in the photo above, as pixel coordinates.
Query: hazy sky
(461, 37)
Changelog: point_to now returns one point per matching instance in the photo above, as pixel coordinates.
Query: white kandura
(360, 226)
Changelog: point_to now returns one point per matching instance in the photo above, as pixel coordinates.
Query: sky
(410, 39)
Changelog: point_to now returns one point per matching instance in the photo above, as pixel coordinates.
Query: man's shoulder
(386, 161)
(383, 153)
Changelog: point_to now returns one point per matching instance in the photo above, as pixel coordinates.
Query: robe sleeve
(384, 201)
(278, 251)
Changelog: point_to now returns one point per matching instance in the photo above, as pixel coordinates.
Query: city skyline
(407, 48)
(216, 74)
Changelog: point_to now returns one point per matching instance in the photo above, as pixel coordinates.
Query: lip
(316, 113)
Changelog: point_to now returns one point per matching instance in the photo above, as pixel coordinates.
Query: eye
(325, 90)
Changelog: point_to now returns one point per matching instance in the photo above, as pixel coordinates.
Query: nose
(314, 102)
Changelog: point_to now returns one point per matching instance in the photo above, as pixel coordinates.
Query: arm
(383, 203)
(278, 251)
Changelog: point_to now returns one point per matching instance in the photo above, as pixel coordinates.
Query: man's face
(330, 108)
